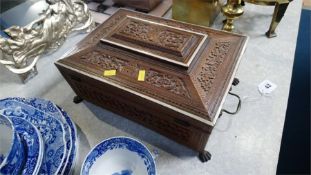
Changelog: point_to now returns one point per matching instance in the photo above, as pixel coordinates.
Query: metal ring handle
(238, 107)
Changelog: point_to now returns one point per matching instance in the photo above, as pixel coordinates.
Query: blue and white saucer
(51, 129)
(119, 156)
(6, 140)
(75, 148)
(70, 130)
(32, 140)
(11, 148)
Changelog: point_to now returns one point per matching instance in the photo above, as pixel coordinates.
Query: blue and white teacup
(12, 153)
(119, 156)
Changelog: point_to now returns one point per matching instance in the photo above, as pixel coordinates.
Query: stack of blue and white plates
(36, 137)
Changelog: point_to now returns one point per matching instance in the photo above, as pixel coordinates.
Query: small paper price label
(108, 73)
(141, 75)
(266, 87)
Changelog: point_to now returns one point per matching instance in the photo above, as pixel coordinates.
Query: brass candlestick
(232, 10)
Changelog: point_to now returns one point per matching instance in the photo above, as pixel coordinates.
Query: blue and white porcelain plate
(75, 148)
(6, 140)
(14, 162)
(51, 129)
(70, 130)
(32, 140)
(14, 154)
(119, 156)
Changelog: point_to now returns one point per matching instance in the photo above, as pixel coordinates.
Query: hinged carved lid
(189, 69)
(176, 45)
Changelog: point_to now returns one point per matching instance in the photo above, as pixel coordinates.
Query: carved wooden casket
(188, 73)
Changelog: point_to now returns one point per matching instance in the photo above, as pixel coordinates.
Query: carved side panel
(172, 40)
(168, 82)
(209, 70)
(104, 60)
(165, 126)
(154, 35)
(137, 30)
(154, 77)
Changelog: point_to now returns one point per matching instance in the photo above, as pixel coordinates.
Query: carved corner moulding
(24, 46)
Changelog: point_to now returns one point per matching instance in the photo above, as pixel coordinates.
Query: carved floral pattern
(137, 30)
(208, 71)
(168, 82)
(172, 39)
(104, 60)
(155, 36)
(155, 78)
